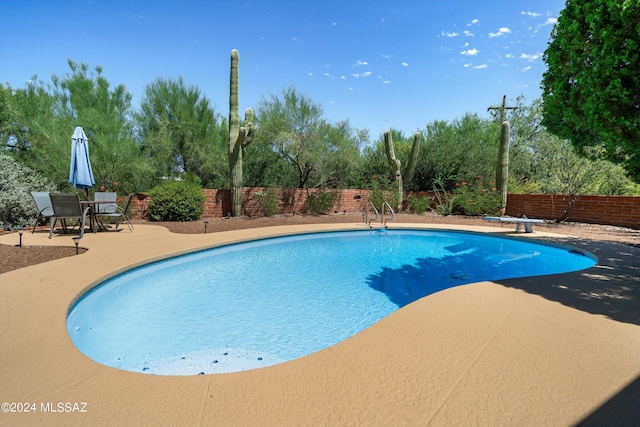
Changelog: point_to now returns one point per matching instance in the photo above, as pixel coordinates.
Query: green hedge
(176, 201)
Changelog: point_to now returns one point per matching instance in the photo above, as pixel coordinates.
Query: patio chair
(67, 206)
(112, 210)
(43, 203)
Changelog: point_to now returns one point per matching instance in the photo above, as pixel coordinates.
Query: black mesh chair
(67, 206)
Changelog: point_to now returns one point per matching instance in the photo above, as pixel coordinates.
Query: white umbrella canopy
(80, 172)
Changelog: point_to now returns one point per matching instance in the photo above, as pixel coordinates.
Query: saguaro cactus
(502, 167)
(395, 163)
(239, 136)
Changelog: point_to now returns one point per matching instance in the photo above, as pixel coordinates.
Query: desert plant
(395, 163)
(419, 204)
(477, 198)
(239, 136)
(17, 208)
(502, 166)
(444, 201)
(269, 201)
(320, 202)
(381, 192)
(176, 201)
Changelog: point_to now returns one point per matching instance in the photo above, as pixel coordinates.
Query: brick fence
(612, 210)
(218, 202)
(621, 211)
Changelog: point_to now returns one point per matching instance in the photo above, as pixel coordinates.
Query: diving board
(518, 221)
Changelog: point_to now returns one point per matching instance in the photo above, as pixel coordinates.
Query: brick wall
(218, 202)
(611, 210)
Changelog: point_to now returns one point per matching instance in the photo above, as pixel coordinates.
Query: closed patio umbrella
(80, 173)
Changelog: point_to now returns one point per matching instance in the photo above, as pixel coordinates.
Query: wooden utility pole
(502, 108)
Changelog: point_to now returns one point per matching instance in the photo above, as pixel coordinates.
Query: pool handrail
(383, 221)
(366, 213)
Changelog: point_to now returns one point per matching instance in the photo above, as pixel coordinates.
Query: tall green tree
(591, 89)
(318, 152)
(341, 163)
(44, 115)
(32, 132)
(180, 132)
(457, 151)
(86, 98)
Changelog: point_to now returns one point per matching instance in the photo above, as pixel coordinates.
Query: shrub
(382, 190)
(18, 210)
(320, 202)
(269, 201)
(419, 204)
(477, 198)
(176, 201)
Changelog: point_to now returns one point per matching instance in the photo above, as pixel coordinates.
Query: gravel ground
(12, 257)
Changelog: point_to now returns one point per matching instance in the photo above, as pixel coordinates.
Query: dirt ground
(14, 257)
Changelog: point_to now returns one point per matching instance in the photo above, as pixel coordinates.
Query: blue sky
(381, 64)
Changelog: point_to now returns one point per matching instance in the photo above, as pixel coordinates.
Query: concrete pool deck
(552, 350)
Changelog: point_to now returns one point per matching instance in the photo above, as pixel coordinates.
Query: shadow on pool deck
(610, 288)
(621, 410)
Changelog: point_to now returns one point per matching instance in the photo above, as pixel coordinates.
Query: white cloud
(386, 82)
(509, 55)
(467, 33)
(360, 63)
(328, 75)
(451, 34)
(404, 64)
(467, 65)
(343, 78)
(548, 21)
(470, 52)
(501, 32)
(365, 74)
(532, 14)
(473, 21)
(531, 57)
(310, 74)
(526, 69)
(480, 67)
(386, 56)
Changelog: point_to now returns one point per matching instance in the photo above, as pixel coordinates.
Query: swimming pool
(259, 303)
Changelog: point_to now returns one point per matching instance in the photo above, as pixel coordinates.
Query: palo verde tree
(44, 115)
(460, 150)
(180, 131)
(294, 128)
(239, 136)
(591, 89)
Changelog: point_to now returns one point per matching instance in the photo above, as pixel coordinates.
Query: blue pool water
(260, 303)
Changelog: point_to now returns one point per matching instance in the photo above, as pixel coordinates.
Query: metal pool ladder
(366, 213)
(383, 220)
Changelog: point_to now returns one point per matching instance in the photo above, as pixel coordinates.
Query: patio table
(94, 222)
